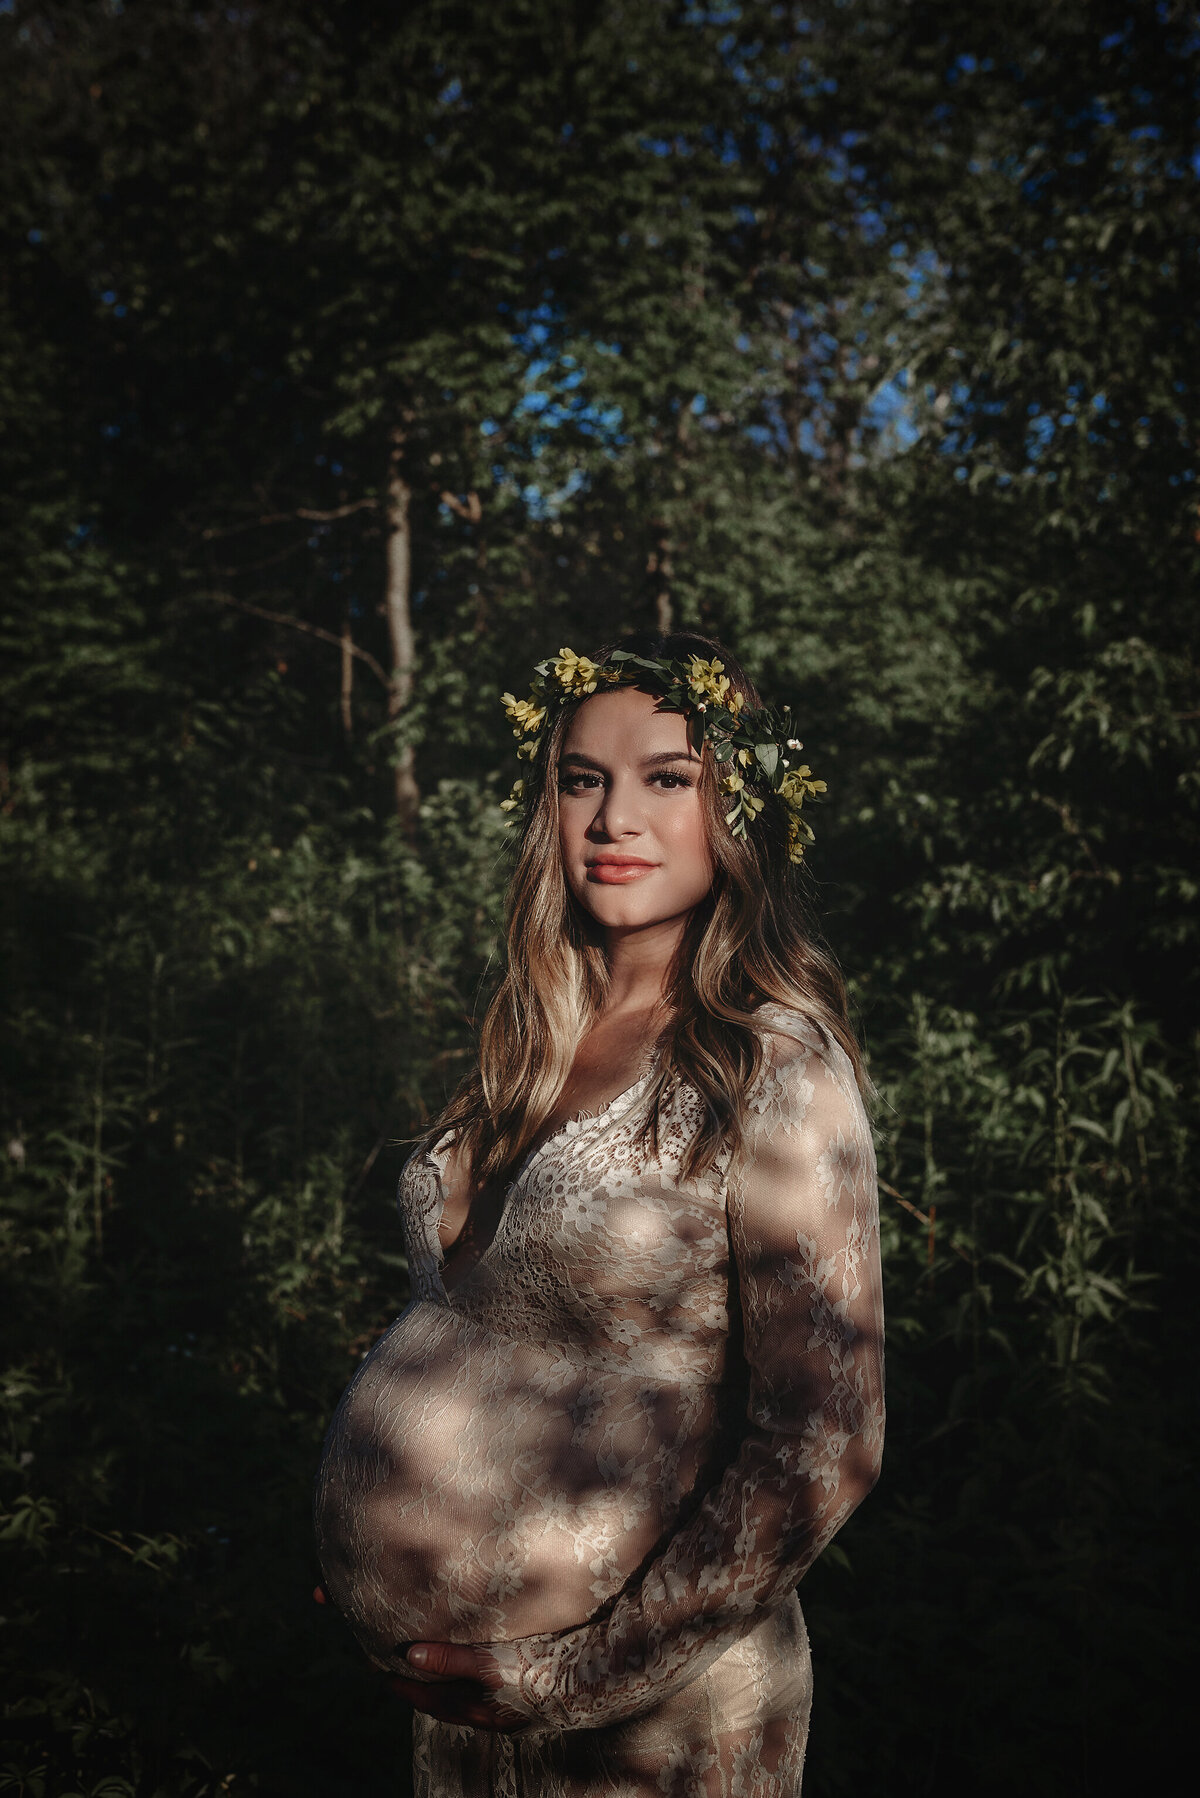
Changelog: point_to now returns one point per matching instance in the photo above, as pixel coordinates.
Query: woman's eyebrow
(648, 761)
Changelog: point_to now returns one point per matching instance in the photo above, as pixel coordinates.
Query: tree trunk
(347, 694)
(658, 566)
(397, 605)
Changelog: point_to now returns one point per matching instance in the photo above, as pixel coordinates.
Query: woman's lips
(618, 873)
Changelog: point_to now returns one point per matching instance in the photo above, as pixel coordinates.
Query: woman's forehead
(626, 722)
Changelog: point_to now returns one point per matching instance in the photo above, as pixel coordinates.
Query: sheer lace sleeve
(804, 1228)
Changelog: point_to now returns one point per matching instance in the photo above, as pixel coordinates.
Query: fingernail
(417, 1657)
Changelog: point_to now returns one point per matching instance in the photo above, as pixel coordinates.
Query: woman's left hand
(462, 1686)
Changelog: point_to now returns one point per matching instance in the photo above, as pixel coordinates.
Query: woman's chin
(623, 910)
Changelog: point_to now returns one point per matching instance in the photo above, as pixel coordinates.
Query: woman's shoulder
(804, 1060)
(429, 1159)
(791, 1035)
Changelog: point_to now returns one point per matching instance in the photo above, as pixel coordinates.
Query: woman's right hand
(461, 1686)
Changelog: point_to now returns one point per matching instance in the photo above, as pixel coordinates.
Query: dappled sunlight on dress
(612, 1450)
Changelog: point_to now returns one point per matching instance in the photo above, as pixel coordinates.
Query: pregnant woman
(569, 1495)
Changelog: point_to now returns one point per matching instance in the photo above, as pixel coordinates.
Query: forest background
(355, 356)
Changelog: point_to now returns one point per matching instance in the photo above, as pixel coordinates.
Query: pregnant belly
(477, 1488)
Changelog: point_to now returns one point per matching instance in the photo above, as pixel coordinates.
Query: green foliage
(863, 340)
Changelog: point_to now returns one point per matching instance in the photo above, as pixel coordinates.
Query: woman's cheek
(689, 847)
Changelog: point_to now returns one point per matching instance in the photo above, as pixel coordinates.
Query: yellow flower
(515, 798)
(708, 679)
(798, 835)
(798, 785)
(732, 783)
(525, 714)
(744, 757)
(577, 674)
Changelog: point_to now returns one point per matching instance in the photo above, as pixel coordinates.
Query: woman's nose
(619, 812)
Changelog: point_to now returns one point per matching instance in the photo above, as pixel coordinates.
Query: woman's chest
(596, 1239)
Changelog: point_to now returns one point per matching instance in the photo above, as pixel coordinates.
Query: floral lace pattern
(612, 1452)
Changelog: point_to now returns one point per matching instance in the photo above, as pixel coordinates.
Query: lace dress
(614, 1449)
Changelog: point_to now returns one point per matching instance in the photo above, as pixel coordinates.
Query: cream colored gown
(614, 1449)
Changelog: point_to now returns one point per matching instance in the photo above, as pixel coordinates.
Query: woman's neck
(638, 963)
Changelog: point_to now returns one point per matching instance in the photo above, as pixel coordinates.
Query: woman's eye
(586, 783)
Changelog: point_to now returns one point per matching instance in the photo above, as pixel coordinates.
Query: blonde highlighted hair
(748, 943)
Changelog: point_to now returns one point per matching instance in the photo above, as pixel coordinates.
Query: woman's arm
(804, 1227)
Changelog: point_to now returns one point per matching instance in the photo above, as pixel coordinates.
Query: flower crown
(754, 744)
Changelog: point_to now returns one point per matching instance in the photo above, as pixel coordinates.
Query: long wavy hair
(750, 941)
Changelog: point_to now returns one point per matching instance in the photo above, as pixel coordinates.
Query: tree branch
(309, 513)
(922, 1217)
(302, 624)
(471, 509)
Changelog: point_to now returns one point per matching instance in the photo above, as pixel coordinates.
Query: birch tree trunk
(659, 568)
(398, 607)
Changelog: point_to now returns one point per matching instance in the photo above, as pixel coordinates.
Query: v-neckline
(568, 1126)
(573, 1124)
(435, 1153)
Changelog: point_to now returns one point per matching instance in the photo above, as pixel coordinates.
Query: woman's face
(631, 826)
